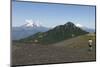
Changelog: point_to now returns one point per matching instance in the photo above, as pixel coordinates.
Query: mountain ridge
(26, 30)
(56, 34)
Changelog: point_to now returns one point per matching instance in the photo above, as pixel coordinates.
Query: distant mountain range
(31, 28)
(26, 30)
(58, 33)
(85, 28)
(88, 29)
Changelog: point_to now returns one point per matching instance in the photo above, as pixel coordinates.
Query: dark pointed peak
(70, 24)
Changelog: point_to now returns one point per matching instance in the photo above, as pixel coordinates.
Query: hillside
(59, 33)
(70, 50)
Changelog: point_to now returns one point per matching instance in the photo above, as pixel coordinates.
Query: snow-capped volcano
(27, 29)
(30, 23)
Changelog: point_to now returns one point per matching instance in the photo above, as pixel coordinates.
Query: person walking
(90, 43)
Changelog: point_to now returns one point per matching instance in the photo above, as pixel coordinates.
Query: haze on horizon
(51, 15)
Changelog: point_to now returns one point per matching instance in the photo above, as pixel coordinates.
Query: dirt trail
(72, 50)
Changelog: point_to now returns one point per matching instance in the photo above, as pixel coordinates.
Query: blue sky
(51, 15)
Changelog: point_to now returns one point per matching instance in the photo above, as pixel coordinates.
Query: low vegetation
(59, 33)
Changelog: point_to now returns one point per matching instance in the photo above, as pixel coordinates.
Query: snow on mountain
(27, 29)
(85, 28)
(79, 25)
(30, 23)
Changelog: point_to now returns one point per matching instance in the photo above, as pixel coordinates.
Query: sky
(51, 15)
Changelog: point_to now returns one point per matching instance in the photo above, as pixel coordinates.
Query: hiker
(90, 42)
